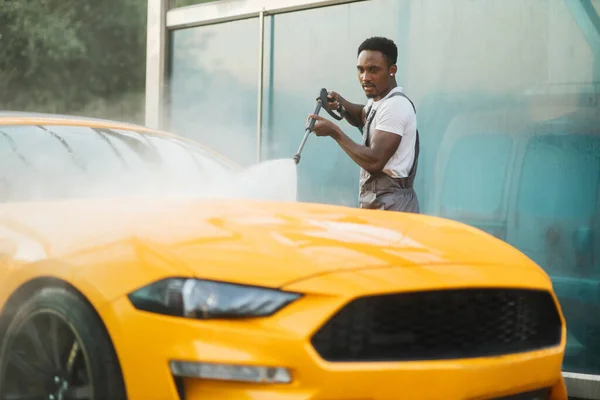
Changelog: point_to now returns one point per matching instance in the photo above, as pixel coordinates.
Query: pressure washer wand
(309, 128)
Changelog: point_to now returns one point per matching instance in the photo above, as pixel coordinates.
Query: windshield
(39, 163)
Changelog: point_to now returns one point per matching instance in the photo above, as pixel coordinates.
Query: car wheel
(56, 348)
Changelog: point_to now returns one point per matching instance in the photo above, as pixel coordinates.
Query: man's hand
(354, 114)
(336, 98)
(324, 127)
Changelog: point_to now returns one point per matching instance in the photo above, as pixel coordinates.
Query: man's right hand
(335, 98)
(353, 112)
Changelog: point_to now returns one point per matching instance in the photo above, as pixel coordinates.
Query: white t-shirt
(396, 115)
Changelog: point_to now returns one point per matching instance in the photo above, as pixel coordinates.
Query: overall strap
(413, 170)
(366, 139)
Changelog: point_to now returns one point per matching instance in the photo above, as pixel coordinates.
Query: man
(388, 156)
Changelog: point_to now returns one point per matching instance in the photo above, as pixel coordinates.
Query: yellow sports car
(129, 271)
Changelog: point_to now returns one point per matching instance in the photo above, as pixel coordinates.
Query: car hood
(255, 242)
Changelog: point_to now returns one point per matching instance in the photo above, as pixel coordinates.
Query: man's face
(374, 73)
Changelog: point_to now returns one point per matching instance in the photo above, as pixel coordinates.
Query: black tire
(55, 346)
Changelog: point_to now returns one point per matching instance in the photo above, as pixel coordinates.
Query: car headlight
(202, 299)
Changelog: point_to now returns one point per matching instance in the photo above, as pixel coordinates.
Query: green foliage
(83, 57)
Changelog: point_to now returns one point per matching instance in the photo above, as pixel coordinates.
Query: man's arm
(374, 158)
(355, 113)
(385, 138)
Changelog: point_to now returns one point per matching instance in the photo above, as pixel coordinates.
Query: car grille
(437, 325)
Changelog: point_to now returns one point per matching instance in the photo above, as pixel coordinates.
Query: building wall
(506, 94)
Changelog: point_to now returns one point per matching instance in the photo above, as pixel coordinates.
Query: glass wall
(314, 49)
(507, 104)
(507, 98)
(213, 87)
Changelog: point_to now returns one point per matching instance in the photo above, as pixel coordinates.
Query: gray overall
(381, 191)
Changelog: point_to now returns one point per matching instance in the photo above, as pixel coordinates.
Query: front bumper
(146, 343)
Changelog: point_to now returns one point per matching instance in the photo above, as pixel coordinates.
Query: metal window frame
(161, 21)
(156, 50)
(261, 67)
(230, 10)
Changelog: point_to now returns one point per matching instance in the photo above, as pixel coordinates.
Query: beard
(370, 92)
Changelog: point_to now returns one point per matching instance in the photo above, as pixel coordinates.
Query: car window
(11, 163)
(60, 162)
(48, 164)
(182, 159)
(98, 156)
(135, 146)
(114, 162)
(45, 151)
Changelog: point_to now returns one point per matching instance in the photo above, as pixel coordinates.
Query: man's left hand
(323, 127)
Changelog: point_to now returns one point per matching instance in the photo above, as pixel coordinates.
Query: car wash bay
(507, 104)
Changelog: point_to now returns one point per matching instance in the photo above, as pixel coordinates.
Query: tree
(74, 56)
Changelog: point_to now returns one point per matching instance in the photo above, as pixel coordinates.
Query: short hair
(383, 45)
